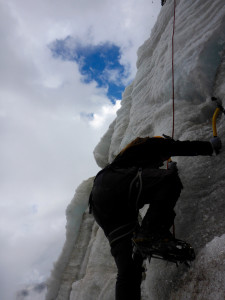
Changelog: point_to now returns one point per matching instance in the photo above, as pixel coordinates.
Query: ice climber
(134, 179)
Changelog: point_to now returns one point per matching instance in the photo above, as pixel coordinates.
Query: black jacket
(154, 151)
(113, 199)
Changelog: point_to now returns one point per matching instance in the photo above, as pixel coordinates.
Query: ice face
(146, 110)
(198, 48)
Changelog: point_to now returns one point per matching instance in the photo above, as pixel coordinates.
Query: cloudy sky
(64, 65)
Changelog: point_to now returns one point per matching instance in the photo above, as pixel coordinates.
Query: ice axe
(218, 109)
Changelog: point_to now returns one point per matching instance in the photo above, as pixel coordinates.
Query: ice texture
(146, 110)
(77, 239)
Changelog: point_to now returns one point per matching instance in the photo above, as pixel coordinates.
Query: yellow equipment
(216, 113)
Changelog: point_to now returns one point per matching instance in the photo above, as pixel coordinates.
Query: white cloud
(112, 75)
(46, 146)
(107, 112)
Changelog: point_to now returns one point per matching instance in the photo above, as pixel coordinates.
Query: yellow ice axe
(215, 115)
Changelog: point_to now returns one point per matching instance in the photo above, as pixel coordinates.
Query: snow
(146, 110)
(74, 214)
(203, 281)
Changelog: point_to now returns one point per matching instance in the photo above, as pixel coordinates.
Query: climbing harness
(138, 182)
(122, 231)
(219, 109)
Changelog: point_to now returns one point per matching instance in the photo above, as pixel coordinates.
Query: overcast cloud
(46, 143)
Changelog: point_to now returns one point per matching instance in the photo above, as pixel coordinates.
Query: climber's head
(138, 141)
(135, 142)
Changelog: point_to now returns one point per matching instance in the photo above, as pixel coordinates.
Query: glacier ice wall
(76, 244)
(85, 270)
(146, 104)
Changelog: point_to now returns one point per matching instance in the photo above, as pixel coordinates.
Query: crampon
(175, 251)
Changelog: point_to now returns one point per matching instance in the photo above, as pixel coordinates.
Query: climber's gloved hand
(172, 165)
(216, 144)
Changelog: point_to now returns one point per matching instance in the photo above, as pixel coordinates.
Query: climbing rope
(173, 88)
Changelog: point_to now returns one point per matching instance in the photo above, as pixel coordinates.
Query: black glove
(172, 165)
(216, 144)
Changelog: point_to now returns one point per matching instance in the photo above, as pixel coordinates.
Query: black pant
(129, 271)
(162, 196)
(112, 208)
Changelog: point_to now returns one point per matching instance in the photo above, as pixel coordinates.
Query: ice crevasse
(85, 269)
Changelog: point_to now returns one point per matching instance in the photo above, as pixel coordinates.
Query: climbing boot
(163, 245)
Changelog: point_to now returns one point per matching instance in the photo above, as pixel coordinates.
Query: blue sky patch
(100, 63)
